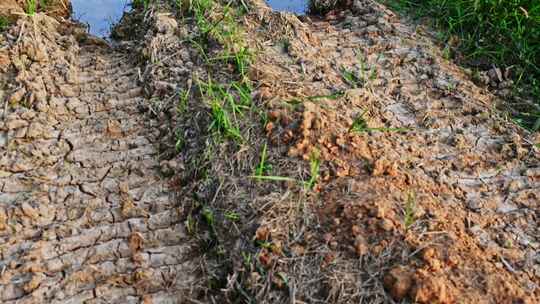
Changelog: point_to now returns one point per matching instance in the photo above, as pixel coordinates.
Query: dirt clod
(399, 282)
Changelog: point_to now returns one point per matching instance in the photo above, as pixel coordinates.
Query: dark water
(299, 7)
(100, 15)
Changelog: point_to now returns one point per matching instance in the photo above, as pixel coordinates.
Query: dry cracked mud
(425, 194)
(85, 215)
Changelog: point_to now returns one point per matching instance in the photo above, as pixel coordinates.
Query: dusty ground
(425, 194)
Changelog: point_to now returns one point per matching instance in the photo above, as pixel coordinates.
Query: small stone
(17, 96)
(29, 211)
(136, 242)
(35, 130)
(165, 24)
(34, 283)
(16, 124)
(361, 246)
(355, 230)
(386, 225)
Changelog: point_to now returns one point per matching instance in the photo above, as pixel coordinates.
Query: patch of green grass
(4, 23)
(183, 100)
(191, 225)
(31, 7)
(485, 32)
(224, 109)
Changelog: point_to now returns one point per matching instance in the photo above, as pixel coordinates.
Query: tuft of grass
(31, 7)
(486, 32)
(360, 125)
(4, 23)
(314, 174)
(180, 142)
(263, 167)
(232, 216)
(314, 167)
(145, 4)
(227, 102)
(351, 78)
(360, 78)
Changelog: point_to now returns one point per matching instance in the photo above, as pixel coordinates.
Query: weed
(190, 224)
(208, 216)
(31, 7)
(410, 207)
(314, 167)
(247, 258)
(183, 100)
(180, 142)
(145, 4)
(263, 166)
(218, 96)
(232, 216)
(221, 122)
(359, 79)
(351, 78)
(4, 22)
(360, 125)
(285, 44)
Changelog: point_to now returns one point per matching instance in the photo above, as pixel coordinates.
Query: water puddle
(299, 7)
(99, 15)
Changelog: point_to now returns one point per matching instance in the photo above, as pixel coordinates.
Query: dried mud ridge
(84, 213)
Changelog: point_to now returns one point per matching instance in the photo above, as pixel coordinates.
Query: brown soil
(441, 204)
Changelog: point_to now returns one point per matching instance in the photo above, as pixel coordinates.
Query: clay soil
(424, 192)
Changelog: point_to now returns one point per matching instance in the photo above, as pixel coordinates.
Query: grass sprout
(410, 207)
(360, 125)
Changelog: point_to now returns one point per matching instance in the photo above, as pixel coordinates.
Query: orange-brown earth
(425, 193)
(448, 186)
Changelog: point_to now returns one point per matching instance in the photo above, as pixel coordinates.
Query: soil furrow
(95, 221)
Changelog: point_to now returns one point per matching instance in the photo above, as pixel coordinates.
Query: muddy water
(299, 7)
(99, 15)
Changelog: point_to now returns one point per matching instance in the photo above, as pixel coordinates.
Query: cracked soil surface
(84, 214)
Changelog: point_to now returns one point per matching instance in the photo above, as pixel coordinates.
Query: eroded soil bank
(115, 188)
